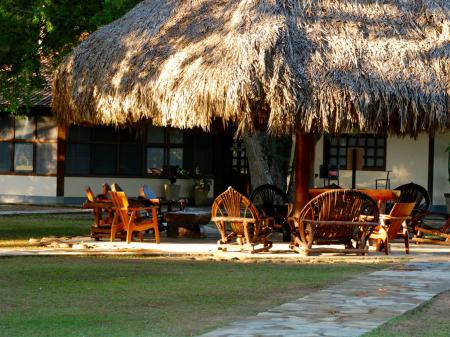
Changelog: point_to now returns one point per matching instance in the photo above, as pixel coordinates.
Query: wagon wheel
(272, 202)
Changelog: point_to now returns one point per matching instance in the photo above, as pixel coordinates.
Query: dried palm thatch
(284, 65)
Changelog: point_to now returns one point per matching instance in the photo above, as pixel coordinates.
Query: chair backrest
(147, 193)
(120, 202)
(414, 193)
(400, 212)
(337, 206)
(270, 199)
(89, 194)
(116, 188)
(231, 203)
(105, 190)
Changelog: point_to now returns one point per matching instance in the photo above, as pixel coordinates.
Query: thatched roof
(322, 66)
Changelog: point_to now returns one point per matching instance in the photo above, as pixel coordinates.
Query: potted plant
(172, 190)
(202, 187)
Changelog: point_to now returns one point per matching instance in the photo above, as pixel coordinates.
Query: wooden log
(435, 242)
(379, 195)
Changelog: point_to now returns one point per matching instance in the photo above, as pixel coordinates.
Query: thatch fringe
(311, 65)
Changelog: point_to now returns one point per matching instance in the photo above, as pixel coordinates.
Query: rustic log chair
(393, 225)
(440, 236)
(340, 216)
(239, 223)
(412, 192)
(272, 202)
(101, 227)
(129, 219)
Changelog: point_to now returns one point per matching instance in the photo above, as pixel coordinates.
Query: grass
(16, 230)
(430, 319)
(93, 296)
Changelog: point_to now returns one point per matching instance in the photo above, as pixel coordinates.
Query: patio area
(205, 248)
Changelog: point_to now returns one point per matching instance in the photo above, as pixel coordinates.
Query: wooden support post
(61, 157)
(304, 169)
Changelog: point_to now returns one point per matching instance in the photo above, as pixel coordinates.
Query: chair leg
(129, 235)
(406, 237)
(386, 245)
(157, 234)
(141, 236)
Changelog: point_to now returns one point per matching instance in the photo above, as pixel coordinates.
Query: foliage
(122, 296)
(36, 34)
(202, 183)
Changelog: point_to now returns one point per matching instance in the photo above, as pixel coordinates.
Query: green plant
(203, 184)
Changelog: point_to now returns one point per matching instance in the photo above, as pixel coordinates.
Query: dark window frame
(34, 141)
(166, 145)
(141, 143)
(327, 146)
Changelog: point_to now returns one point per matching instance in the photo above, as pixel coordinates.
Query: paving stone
(349, 309)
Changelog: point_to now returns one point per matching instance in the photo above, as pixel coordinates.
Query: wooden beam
(430, 166)
(61, 158)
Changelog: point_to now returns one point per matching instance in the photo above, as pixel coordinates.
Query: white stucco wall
(13, 186)
(441, 184)
(75, 186)
(406, 157)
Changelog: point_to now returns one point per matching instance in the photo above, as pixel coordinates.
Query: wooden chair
(102, 213)
(231, 210)
(393, 225)
(344, 217)
(116, 188)
(272, 203)
(419, 196)
(435, 232)
(129, 219)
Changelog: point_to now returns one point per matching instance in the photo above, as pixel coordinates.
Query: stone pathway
(349, 309)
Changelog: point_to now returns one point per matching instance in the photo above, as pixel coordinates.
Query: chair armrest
(234, 219)
(343, 223)
(388, 217)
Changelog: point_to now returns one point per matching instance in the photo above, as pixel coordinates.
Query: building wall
(27, 189)
(441, 184)
(406, 157)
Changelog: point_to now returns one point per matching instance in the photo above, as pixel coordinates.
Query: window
(239, 158)
(102, 151)
(105, 151)
(336, 150)
(28, 145)
(164, 148)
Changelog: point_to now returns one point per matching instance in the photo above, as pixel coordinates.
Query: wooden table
(186, 223)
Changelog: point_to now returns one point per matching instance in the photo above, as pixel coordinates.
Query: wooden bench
(186, 223)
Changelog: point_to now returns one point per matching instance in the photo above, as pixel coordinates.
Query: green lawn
(16, 230)
(92, 296)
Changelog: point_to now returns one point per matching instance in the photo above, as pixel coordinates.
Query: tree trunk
(258, 166)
